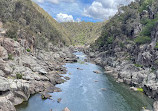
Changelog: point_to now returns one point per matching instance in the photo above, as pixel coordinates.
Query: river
(88, 91)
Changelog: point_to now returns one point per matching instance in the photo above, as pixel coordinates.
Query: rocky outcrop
(128, 47)
(155, 106)
(23, 73)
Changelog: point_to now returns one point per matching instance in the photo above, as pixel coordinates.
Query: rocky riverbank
(24, 72)
(123, 70)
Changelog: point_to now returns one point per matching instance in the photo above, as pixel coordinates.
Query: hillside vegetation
(128, 46)
(23, 19)
(132, 30)
(134, 23)
(83, 33)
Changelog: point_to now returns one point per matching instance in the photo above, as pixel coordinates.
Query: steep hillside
(25, 19)
(128, 46)
(83, 33)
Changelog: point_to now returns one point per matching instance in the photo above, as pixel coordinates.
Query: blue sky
(81, 10)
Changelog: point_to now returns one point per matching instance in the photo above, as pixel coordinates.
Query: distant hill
(82, 33)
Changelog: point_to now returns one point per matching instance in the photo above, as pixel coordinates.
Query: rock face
(24, 73)
(6, 105)
(4, 84)
(155, 106)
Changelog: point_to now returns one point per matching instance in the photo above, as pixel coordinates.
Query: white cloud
(53, 1)
(78, 20)
(103, 9)
(64, 18)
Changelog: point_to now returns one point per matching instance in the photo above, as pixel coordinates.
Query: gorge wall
(128, 44)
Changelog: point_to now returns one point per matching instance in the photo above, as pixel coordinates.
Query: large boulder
(5, 67)
(10, 45)
(3, 53)
(6, 105)
(4, 84)
(155, 106)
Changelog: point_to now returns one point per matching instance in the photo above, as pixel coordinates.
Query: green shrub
(144, 21)
(145, 4)
(28, 50)
(156, 62)
(11, 34)
(153, 69)
(122, 45)
(149, 25)
(110, 40)
(19, 76)
(10, 56)
(156, 47)
(138, 65)
(142, 40)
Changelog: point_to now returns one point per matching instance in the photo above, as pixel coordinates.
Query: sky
(81, 10)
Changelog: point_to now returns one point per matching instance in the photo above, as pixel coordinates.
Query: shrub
(156, 47)
(142, 39)
(28, 50)
(153, 69)
(145, 4)
(149, 25)
(11, 34)
(156, 62)
(110, 40)
(10, 56)
(138, 65)
(19, 76)
(122, 45)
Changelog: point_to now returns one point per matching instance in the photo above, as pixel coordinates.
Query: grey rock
(6, 105)
(3, 53)
(59, 100)
(67, 78)
(45, 95)
(42, 71)
(155, 106)
(97, 72)
(4, 84)
(66, 109)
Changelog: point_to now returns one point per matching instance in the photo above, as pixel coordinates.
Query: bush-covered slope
(133, 23)
(133, 31)
(128, 46)
(83, 33)
(24, 19)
